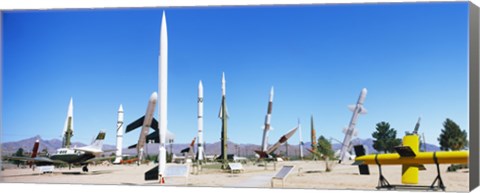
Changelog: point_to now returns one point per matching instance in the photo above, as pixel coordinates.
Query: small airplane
(81, 155)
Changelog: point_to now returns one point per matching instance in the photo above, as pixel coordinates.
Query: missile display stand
(438, 178)
(384, 184)
(382, 181)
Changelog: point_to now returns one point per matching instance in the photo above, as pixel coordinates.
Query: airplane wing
(98, 159)
(136, 124)
(24, 159)
(35, 160)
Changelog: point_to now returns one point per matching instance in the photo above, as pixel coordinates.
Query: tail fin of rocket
(362, 110)
(352, 107)
(152, 174)
(362, 168)
(220, 113)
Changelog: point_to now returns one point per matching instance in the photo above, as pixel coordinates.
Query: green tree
(19, 152)
(386, 138)
(452, 137)
(325, 147)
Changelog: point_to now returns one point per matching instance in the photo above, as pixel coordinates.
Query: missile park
(391, 161)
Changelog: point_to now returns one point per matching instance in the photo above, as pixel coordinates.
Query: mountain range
(246, 150)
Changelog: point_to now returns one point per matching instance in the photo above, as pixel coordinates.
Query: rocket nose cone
(364, 91)
(200, 85)
(163, 17)
(290, 133)
(153, 96)
(120, 109)
(271, 94)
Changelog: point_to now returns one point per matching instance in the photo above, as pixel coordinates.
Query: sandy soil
(305, 175)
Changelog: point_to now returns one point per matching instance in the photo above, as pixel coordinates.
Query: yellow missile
(412, 160)
(443, 157)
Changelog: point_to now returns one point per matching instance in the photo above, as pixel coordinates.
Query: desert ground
(305, 175)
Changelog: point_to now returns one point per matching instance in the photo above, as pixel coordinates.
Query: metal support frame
(384, 184)
(382, 181)
(438, 178)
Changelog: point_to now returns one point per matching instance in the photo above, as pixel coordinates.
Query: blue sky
(412, 58)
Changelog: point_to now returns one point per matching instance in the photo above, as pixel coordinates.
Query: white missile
(301, 139)
(68, 127)
(200, 122)
(147, 121)
(281, 141)
(350, 131)
(223, 115)
(267, 122)
(118, 154)
(224, 88)
(162, 105)
(224, 93)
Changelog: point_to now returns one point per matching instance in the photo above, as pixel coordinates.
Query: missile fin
(153, 136)
(422, 167)
(363, 110)
(154, 124)
(132, 146)
(136, 124)
(152, 174)
(351, 107)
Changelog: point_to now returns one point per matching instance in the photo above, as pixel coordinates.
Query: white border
(68, 4)
(89, 4)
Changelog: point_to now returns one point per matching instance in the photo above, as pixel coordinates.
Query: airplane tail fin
(34, 152)
(35, 148)
(362, 168)
(96, 146)
(98, 142)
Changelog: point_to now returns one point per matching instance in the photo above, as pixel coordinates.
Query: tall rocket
(267, 122)
(200, 122)
(68, 127)
(313, 136)
(162, 105)
(357, 109)
(118, 154)
(301, 145)
(223, 114)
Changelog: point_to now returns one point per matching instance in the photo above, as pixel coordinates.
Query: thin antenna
(424, 143)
